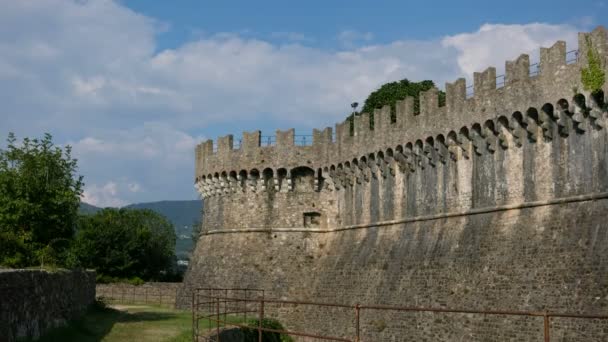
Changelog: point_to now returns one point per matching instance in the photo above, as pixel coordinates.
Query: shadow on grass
(98, 322)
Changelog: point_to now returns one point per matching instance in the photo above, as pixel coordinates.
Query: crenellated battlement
(555, 79)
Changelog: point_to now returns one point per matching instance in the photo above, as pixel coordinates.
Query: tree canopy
(390, 93)
(39, 199)
(125, 243)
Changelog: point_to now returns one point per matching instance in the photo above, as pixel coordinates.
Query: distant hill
(181, 213)
(86, 209)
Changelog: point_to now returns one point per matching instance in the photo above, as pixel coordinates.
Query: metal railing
(302, 140)
(268, 140)
(500, 81)
(534, 69)
(469, 92)
(138, 295)
(216, 305)
(572, 56)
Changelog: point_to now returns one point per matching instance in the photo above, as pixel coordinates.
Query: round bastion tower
(276, 186)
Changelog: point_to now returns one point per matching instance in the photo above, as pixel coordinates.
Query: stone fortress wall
(492, 201)
(32, 302)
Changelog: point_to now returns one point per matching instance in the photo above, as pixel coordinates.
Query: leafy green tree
(126, 243)
(39, 199)
(390, 93)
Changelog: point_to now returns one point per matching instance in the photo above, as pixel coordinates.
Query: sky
(134, 85)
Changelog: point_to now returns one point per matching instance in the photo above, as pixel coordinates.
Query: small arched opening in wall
(232, 176)
(580, 101)
(563, 104)
(268, 179)
(548, 109)
(599, 98)
(281, 176)
(243, 178)
(254, 177)
(320, 180)
(532, 114)
(303, 179)
(254, 174)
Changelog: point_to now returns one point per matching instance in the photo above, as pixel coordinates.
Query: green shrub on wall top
(593, 76)
(391, 92)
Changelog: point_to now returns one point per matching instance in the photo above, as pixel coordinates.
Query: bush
(251, 334)
(106, 279)
(125, 243)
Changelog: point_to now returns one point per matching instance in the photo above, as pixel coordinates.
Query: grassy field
(121, 323)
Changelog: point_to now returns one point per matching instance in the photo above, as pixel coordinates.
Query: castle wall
(545, 258)
(495, 202)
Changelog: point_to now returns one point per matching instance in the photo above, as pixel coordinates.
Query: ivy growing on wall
(593, 76)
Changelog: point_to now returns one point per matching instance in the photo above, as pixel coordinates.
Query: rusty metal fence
(226, 308)
(157, 295)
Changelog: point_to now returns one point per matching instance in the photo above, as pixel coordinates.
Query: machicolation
(498, 199)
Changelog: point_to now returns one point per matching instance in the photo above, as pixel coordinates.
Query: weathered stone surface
(494, 202)
(34, 301)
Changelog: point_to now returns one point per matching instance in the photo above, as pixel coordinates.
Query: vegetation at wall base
(251, 334)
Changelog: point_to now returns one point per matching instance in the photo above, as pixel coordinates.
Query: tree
(126, 243)
(39, 199)
(390, 93)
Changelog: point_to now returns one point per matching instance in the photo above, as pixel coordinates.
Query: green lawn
(122, 323)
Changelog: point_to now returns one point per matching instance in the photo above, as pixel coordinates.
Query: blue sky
(134, 85)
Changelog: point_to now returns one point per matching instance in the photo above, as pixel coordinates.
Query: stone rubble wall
(35, 301)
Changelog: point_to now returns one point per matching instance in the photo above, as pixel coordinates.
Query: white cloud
(491, 45)
(134, 187)
(90, 73)
(351, 38)
(103, 196)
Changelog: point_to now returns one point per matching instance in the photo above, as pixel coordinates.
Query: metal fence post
(193, 317)
(217, 318)
(357, 314)
(546, 324)
(245, 309)
(261, 319)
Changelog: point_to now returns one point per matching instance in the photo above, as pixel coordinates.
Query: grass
(122, 323)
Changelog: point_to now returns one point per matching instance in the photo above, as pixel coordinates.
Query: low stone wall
(34, 301)
(148, 293)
